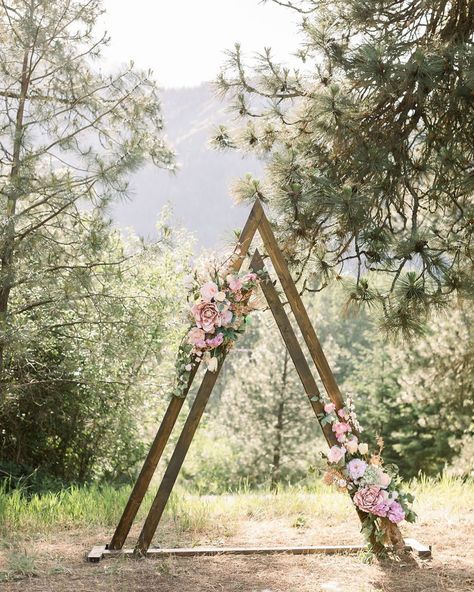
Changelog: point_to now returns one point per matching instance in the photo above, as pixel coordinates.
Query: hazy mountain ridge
(199, 191)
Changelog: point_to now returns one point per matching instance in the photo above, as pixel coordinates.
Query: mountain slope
(199, 191)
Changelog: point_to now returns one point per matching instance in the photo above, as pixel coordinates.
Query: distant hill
(199, 192)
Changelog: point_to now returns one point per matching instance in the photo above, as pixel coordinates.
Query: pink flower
(369, 498)
(382, 509)
(208, 291)
(235, 283)
(356, 468)
(343, 413)
(226, 318)
(336, 453)
(329, 408)
(352, 445)
(207, 316)
(340, 428)
(250, 277)
(385, 480)
(215, 341)
(197, 337)
(395, 512)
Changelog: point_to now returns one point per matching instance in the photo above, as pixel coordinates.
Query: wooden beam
(149, 466)
(301, 364)
(293, 346)
(169, 420)
(422, 550)
(298, 308)
(98, 553)
(246, 236)
(176, 462)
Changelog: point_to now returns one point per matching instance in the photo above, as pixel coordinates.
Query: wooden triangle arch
(257, 220)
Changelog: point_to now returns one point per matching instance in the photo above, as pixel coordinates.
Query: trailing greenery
(369, 149)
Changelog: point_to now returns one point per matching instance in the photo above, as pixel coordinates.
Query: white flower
(220, 296)
(212, 365)
(363, 448)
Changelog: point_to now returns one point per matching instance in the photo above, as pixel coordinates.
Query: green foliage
(85, 315)
(369, 148)
(81, 378)
(418, 397)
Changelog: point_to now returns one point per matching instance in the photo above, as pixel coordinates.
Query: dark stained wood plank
(293, 346)
(174, 408)
(176, 462)
(149, 466)
(299, 310)
(300, 362)
(246, 236)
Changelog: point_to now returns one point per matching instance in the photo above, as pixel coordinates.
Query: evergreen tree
(70, 135)
(264, 415)
(419, 397)
(369, 147)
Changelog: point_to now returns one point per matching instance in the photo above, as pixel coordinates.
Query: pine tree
(264, 412)
(70, 135)
(369, 146)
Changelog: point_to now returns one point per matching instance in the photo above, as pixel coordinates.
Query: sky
(183, 41)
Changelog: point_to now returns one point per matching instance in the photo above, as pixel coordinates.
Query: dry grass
(35, 561)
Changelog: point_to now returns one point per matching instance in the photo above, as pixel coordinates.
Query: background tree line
(369, 162)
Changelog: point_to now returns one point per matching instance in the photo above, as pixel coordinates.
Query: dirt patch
(59, 561)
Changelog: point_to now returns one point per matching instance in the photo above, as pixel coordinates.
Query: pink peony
(215, 341)
(340, 428)
(207, 316)
(395, 512)
(369, 498)
(336, 453)
(209, 291)
(329, 408)
(356, 468)
(197, 337)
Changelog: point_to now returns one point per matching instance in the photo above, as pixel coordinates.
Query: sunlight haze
(184, 42)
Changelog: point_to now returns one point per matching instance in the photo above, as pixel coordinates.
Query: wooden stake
(174, 407)
(176, 462)
(299, 310)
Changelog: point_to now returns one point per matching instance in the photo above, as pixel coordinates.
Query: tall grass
(92, 506)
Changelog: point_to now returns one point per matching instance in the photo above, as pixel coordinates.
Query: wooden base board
(101, 552)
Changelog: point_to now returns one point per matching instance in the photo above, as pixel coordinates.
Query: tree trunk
(13, 192)
(276, 465)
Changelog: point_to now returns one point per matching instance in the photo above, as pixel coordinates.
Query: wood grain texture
(149, 466)
(299, 310)
(169, 420)
(176, 461)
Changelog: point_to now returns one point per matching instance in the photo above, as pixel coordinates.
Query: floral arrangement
(373, 487)
(218, 313)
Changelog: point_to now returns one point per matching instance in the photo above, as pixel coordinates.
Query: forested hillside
(199, 191)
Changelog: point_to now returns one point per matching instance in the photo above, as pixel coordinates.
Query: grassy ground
(43, 543)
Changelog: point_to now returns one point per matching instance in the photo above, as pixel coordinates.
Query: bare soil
(60, 565)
